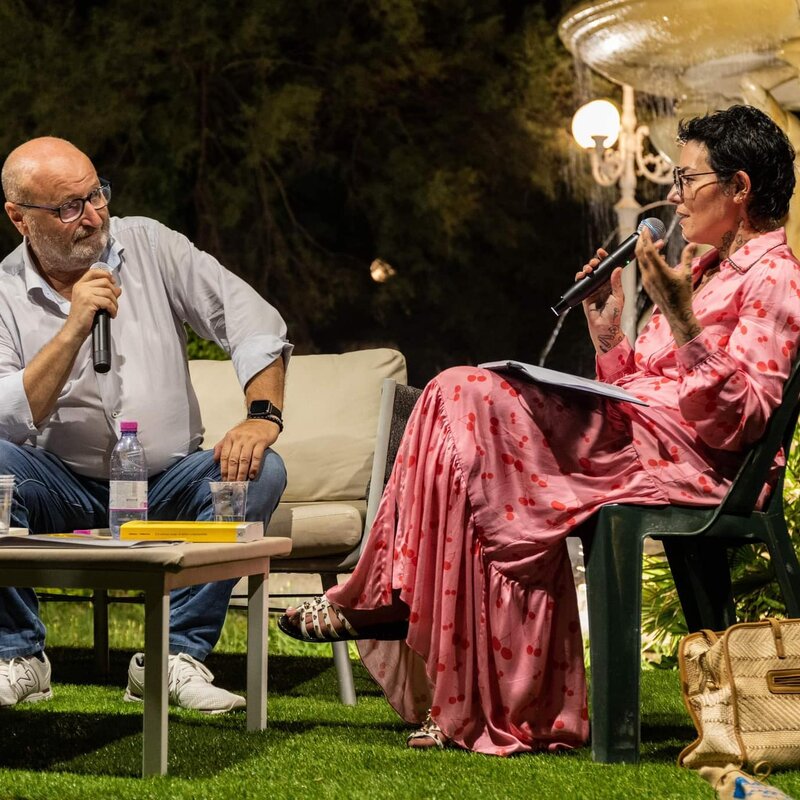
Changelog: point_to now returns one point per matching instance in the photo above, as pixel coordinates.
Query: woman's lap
(491, 477)
(494, 643)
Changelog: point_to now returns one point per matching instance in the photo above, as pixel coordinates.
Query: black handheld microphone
(587, 285)
(101, 333)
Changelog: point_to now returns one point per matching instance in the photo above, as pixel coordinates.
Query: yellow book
(219, 532)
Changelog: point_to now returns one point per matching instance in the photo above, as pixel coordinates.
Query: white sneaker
(25, 679)
(190, 685)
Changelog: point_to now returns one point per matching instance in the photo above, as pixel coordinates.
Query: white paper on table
(60, 540)
(563, 379)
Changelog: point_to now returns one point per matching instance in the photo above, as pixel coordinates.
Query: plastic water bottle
(127, 498)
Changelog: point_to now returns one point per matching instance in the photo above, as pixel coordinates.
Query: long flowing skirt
(491, 477)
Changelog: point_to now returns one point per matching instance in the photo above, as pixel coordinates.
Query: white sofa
(331, 413)
(337, 416)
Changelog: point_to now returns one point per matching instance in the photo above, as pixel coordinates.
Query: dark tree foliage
(297, 140)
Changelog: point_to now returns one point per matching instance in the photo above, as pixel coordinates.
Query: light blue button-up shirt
(166, 282)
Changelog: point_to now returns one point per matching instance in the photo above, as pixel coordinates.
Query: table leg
(156, 649)
(100, 626)
(257, 605)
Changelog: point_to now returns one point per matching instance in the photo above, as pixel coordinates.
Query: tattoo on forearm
(610, 339)
(684, 325)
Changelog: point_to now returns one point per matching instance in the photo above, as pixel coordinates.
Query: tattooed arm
(669, 288)
(603, 309)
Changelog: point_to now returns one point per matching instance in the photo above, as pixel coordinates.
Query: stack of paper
(562, 379)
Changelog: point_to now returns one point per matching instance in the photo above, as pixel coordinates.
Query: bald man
(59, 418)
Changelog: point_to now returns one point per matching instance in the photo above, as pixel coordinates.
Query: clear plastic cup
(6, 494)
(229, 499)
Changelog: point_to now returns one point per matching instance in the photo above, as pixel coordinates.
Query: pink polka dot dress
(493, 473)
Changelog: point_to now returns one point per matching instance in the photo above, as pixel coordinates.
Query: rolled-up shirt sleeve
(220, 306)
(16, 420)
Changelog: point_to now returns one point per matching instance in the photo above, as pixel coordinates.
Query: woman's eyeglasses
(680, 180)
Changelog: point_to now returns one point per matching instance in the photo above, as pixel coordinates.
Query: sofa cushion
(330, 417)
(220, 397)
(319, 529)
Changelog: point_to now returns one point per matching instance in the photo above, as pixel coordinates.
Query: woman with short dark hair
(466, 561)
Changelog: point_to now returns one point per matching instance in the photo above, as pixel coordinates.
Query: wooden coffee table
(155, 571)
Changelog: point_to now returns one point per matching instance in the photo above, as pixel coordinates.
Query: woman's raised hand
(670, 288)
(603, 309)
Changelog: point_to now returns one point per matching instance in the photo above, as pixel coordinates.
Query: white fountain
(703, 54)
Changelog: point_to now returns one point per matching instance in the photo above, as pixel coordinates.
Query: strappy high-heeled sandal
(320, 609)
(431, 732)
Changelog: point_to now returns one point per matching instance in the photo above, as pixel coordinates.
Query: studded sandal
(320, 609)
(431, 732)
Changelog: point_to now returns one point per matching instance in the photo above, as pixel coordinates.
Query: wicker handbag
(742, 689)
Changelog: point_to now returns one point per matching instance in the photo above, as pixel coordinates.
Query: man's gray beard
(54, 256)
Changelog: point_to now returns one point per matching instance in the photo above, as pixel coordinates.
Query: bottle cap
(129, 427)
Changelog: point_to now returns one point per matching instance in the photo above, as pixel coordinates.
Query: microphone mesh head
(656, 227)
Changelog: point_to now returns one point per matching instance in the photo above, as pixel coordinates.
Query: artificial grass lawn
(86, 742)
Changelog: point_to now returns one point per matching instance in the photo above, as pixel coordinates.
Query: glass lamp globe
(598, 118)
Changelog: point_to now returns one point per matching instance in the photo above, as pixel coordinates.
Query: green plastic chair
(696, 541)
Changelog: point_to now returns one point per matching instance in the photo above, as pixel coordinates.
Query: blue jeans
(49, 497)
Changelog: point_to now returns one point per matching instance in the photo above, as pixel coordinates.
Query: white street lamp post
(596, 126)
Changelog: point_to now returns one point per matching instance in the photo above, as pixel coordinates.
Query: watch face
(263, 407)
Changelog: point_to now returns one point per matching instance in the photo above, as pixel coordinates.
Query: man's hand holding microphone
(93, 304)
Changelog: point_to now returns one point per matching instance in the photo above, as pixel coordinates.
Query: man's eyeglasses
(73, 209)
(679, 179)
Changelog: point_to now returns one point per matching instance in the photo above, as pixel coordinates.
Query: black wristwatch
(263, 409)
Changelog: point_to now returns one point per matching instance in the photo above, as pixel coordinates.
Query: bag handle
(712, 636)
(777, 635)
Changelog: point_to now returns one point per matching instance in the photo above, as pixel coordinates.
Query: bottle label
(127, 495)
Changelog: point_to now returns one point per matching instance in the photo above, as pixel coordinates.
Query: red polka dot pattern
(494, 473)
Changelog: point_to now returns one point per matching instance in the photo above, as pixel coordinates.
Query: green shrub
(202, 348)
